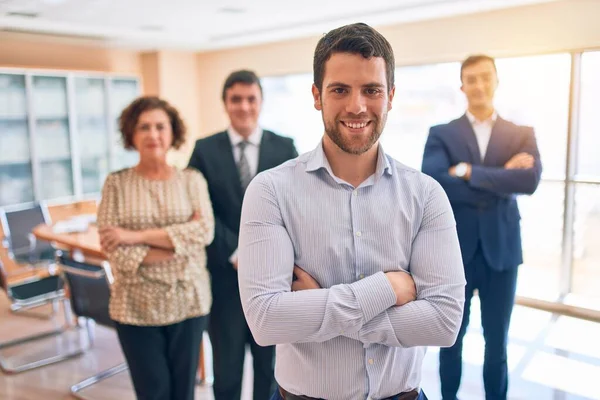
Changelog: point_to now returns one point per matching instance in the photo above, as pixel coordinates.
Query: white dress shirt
(252, 152)
(349, 340)
(483, 131)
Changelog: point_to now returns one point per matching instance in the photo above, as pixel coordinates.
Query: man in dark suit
(483, 162)
(229, 160)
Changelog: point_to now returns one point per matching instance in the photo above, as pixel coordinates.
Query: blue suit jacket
(485, 207)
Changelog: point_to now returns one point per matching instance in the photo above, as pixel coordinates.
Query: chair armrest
(85, 273)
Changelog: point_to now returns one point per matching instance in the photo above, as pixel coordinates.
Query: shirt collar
(318, 160)
(475, 121)
(254, 138)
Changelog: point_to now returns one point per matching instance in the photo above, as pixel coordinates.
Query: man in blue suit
(483, 162)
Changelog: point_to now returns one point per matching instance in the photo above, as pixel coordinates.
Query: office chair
(34, 292)
(89, 287)
(17, 224)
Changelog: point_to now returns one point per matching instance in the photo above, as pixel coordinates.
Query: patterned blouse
(171, 291)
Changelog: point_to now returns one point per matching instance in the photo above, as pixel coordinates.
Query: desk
(88, 243)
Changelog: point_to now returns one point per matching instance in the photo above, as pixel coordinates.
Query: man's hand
(520, 161)
(303, 280)
(235, 264)
(403, 285)
(111, 237)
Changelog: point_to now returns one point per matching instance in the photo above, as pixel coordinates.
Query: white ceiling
(204, 25)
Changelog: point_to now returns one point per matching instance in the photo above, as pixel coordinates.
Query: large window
(16, 179)
(425, 96)
(288, 109)
(533, 91)
(586, 252)
(588, 162)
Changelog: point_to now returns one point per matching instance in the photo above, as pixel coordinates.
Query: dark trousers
(229, 334)
(497, 296)
(163, 360)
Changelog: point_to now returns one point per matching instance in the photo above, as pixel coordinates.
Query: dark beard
(350, 146)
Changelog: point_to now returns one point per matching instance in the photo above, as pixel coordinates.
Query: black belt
(412, 395)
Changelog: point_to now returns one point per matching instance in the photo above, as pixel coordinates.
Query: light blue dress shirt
(349, 340)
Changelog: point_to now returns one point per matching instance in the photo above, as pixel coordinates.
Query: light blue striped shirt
(349, 340)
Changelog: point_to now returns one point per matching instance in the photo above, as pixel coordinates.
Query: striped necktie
(244, 166)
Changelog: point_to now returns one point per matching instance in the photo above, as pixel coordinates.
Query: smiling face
(243, 103)
(479, 84)
(153, 135)
(354, 101)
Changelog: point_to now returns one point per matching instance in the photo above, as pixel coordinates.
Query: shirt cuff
(374, 295)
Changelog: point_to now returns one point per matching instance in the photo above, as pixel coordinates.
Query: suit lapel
(230, 170)
(264, 152)
(466, 130)
(497, 142)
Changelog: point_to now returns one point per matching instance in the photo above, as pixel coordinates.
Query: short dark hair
(244, 76)
(474, 59)
(356, 38)
(131, 114)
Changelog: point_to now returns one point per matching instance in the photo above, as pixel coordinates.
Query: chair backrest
(3, 277)
(17, 225)
(89, 289)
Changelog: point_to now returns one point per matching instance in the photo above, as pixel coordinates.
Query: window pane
(123, 92)
(93, 132)
(16, 183)
(94, 171)
(586, 252)
(56, 179)
(425, 96)
(534, 91)
(288, 110)
(541, 233)
(13, 103)
(589, 123)
(52, 136)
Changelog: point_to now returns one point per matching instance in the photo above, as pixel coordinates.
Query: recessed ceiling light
(53, 2)
(23, 14)
(231, 10)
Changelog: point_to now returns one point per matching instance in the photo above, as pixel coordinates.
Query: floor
(550, 357)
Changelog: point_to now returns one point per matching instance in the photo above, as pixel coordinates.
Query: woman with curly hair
(154, 223)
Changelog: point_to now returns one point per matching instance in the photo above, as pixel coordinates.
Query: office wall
(179, 86)
(37, 51)
(542, 28)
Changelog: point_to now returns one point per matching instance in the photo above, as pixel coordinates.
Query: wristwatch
(461, 169)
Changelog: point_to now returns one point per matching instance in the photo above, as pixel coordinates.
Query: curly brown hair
(130, 115)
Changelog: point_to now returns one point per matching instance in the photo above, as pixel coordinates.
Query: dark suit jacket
(213, 156)
(485, 207)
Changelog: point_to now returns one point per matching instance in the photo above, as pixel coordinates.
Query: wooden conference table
(88, 243)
